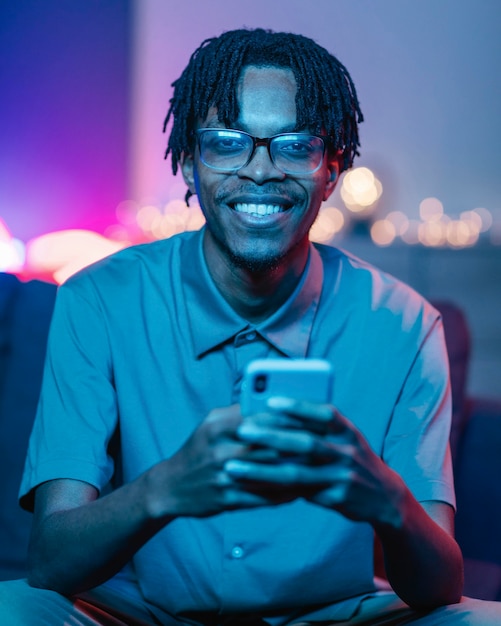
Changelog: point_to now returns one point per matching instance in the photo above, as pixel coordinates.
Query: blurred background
(85, 85)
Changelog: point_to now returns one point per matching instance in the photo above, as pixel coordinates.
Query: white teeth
(258, 209)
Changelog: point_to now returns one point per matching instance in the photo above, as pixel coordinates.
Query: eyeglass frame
(327, 141)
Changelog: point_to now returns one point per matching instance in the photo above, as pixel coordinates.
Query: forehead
(266, 101)
(267, 96)
(266, 77)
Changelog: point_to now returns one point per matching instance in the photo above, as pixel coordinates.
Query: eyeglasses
(228, 150)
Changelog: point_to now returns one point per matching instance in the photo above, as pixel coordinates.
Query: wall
(64, 113)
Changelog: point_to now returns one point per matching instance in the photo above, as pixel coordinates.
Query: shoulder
(369, 291)
(133, 265)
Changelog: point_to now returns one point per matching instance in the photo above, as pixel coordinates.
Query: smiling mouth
(259, 209)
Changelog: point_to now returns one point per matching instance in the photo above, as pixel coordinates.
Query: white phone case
(301, 379)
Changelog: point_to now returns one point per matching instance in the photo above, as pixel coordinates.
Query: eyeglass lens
(229, 150)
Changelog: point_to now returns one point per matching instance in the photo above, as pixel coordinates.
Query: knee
(13, 600)
(21, 604)
(474, 613)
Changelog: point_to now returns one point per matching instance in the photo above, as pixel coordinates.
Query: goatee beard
(253, 265)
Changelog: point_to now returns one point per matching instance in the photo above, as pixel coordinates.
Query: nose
(260, 167)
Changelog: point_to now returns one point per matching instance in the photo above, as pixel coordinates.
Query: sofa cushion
(25, 313)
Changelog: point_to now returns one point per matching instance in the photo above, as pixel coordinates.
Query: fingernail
(247, 431)
(280, 403)
(237, 468)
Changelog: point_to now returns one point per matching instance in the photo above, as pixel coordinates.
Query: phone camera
(260, 383)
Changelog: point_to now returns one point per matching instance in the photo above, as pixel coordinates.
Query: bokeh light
(329, 222)
(432, 233)
(360, 190)
(175, 217)
(12, 255)
(399, 220)
(126, 212)
(459, 234)
(431, 209)
(12, 251)
(411, 233)
(437, 229)
(383, 232)
(60, 254)
(485, 218)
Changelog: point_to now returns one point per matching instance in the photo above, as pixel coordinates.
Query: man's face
(257, 242)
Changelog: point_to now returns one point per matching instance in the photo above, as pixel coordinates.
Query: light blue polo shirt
(143, 344)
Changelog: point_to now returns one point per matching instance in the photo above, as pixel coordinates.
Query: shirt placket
(238, 541)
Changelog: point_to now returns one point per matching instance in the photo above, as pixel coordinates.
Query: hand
(193, 482)
(323, 458)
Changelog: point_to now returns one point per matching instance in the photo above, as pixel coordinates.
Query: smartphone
(301, 379)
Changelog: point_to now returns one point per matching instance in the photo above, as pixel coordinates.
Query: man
(155, 502)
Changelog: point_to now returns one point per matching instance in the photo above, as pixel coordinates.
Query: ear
(333, 169)
(188, 170)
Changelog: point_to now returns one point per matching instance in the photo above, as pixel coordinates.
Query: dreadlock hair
(326, 99)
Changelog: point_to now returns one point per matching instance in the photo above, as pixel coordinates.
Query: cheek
(319, 190)
(196, 179)
(203, 191)
(208, 185)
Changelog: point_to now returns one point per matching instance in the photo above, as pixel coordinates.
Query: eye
(298, 146)
(225, 144)
(295, 148)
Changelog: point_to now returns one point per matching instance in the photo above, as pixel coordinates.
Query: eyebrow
(213, 122)
(286, 128)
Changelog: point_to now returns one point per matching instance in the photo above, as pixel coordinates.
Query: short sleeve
(417, 442)
(77, 410)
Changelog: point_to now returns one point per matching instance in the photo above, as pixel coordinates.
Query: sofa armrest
(478, 491)
(24, 321)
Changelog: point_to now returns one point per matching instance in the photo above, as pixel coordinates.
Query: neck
(256, 295)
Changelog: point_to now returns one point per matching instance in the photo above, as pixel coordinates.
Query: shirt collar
(213, 321)
(289, 328)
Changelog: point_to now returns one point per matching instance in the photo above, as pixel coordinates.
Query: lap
(19, 603)
(468, 611)
(386, 609)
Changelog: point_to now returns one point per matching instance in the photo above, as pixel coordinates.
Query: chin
(255, 263)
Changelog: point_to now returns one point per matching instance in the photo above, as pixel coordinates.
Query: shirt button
(237, 552)
(251, 335)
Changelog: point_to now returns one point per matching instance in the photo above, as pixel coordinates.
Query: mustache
(267, 189)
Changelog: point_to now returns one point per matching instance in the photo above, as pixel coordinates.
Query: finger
(274, 419)
(224, 419)
(236, 495)
(243, 499)
(228, 449)
(231, 449)
(305, 446)
(285, 474)
(286, 441)
(320, 417)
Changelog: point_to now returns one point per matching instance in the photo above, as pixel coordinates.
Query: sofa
(25, 312)
(475, 445)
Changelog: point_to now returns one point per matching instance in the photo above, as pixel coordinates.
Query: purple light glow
(64, 112)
